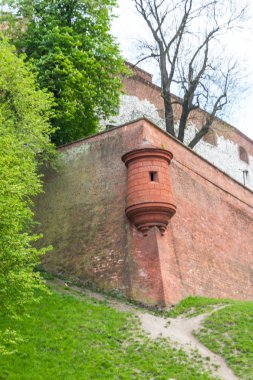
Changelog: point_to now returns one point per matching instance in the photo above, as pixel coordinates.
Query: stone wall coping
(147, 152)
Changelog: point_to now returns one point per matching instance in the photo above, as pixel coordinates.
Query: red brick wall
(207, 249)
(145, 89)
(83, 211)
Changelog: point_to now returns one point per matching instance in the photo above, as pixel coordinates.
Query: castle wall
(83, 211)
(212, 231)
(207, 248)
(220, 146)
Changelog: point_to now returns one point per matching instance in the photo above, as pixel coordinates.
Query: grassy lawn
(227, 332)
(69, 338)
(193, 306)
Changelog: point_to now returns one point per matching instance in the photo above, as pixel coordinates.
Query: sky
(128, 27)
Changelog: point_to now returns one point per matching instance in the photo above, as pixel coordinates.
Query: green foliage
(24, 136)
(229, 332)
(70, 338)
(69, 44)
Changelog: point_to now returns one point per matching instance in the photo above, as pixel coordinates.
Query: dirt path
(178, 330)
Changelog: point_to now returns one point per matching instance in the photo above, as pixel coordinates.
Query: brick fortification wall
(207, 248)
(224, 146)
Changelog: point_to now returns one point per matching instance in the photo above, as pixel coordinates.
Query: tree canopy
(69, 44)
(24, 137)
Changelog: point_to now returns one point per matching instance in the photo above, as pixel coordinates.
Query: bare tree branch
(186, 35)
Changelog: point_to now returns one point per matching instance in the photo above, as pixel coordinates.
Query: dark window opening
(243, 155)
(245, 174)
(153, 176)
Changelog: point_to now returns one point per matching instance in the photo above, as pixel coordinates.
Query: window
(243, 155)
(153, 176)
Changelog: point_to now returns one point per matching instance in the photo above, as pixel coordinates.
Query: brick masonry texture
(223, 144)
(149, 196)
(206, 250)
(141, 86)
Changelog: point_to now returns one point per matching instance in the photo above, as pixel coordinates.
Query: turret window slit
(153, 176)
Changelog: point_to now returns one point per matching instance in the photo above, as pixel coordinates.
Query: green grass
(71, 338)
(192, 306)
(229, 332)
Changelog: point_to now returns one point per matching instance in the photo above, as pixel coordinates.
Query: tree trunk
(169, 119)
(183, 121)
(204, 130)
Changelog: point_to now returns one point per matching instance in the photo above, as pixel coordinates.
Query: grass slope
(227, 332)
(67, 338)
(193, 306)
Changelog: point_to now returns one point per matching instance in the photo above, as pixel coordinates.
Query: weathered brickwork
(223, 144)
(207, 249)
(140, 85)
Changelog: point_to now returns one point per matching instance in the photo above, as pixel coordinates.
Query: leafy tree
(75, 57)
(186, 43)
(24, 136)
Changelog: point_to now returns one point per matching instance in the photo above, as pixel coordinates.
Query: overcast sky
(129, 27)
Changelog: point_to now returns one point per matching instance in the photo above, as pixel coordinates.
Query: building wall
(220, 146)
(206, 250)
(212, 231)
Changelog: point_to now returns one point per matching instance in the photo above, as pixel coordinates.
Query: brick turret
(149, 196)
